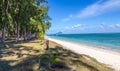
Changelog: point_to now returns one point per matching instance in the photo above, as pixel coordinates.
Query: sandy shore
(110, 58)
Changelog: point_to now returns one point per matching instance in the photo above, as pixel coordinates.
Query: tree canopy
(23, 18)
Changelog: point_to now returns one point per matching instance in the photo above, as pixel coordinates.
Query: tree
(23, 18)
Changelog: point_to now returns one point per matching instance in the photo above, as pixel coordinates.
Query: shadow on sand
(67, 61)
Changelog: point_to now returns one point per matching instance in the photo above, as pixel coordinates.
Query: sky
(84, 16)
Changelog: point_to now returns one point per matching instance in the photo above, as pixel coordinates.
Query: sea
(109, 41)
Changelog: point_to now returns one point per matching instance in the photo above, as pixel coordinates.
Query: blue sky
(84, 16)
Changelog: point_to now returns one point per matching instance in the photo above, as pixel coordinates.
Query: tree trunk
(18, 33)
(30, 35)
(25, 38)
(3, 34)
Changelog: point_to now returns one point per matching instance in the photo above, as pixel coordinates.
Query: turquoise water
(102, 40)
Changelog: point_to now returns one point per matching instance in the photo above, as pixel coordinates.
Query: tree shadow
(4, 65)
(70, 58)
(26, 64)
(65, 62)
(18, 52)
(58, 65)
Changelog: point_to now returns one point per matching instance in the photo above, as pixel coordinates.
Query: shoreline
(110, 58)
(101, 47)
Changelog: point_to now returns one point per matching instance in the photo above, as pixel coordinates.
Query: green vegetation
(28, 54)
(23, 18)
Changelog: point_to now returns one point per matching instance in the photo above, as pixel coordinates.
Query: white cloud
(77, 26)
(67, 27)
(102, 26)
(99, 8)
(74, 26)
(67, 18)
(95, 9)
(117, 25)
(112, 26)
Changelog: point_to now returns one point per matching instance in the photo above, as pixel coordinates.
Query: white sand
(108, 57)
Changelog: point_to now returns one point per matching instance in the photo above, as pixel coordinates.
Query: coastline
(107, 57)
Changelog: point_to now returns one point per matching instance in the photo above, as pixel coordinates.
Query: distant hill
(58, 33)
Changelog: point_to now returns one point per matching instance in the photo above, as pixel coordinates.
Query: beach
(110, 58)
(26, 57)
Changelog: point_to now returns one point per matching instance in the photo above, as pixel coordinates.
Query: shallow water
(102, 40)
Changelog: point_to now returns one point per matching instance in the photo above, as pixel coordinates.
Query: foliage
(48, 59)
(23, 18)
